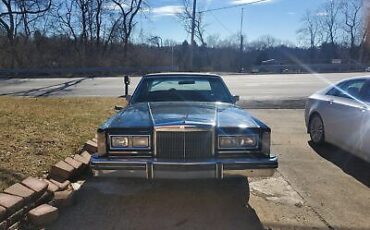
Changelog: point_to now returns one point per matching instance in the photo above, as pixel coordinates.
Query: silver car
(340, 115)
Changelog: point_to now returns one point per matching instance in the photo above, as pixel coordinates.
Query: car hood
(156, 114)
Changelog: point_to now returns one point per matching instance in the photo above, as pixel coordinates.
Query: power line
(222, 25)
(235, 6)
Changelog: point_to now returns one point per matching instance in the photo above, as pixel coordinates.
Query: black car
(184, 125)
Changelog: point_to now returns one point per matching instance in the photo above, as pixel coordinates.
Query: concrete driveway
(314, 188)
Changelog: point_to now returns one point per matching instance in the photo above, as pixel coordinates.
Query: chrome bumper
(161, 169)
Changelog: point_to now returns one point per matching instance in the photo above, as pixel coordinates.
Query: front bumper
(152, 168)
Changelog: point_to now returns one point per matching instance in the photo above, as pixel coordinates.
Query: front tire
(316, 130)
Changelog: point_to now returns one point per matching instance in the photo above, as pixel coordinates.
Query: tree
(10, 9)
(309, 31)
(329, 23)
(127, 12)
(186, 18)
(156, 40)
(353, 23)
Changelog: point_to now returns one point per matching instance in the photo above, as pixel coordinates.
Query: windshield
(205, 89)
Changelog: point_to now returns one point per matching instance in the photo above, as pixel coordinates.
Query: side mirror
(236, 98)
(118, 108)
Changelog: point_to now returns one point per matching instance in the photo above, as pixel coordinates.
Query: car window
(194, 85)
(348, 89)
(365, 92)
(206, 89)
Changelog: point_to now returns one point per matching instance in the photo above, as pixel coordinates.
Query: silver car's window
(365, 92)
(349, 89)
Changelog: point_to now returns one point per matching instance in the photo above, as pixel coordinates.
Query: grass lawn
(38, 132)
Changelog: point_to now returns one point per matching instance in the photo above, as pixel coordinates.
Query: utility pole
(172, 67)
(192, 45)
(241, 40)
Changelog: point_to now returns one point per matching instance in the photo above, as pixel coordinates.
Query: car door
(365, 126)
(344, 115)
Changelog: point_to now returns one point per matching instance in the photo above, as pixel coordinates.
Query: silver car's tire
(316, 129)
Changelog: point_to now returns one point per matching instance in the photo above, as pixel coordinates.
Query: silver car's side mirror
(236, 98)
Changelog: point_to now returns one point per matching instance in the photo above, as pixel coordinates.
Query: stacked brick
(35, 201)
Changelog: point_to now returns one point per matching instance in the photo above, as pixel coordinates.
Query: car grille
(184, 145)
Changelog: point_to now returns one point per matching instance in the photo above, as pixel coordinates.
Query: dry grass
(38, 132)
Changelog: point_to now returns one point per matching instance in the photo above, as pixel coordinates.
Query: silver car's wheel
(316, 129)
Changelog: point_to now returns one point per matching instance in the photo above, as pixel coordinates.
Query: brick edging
(35, 201)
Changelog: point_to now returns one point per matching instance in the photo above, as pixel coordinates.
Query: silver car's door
(327, 110)
(344, 115)
(365, 126)
(348, 124)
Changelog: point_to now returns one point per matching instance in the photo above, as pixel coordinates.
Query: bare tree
(309, 29)
(156, 40)
(98, 20)
(353, 22)
(309, 32)
(10, 10)
(330, 20)
(186, 18)
(127, 12)
(67, 20)
(265, 42)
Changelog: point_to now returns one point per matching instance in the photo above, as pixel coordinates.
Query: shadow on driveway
(114, 203)
(47, 90)
(349, 163)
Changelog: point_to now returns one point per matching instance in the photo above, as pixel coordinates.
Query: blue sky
(279, 18)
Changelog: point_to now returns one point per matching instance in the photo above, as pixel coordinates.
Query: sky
(279, 18)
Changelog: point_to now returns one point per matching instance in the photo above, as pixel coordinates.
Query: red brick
(75, 164)
(22, 191)
(36, 185)
(51, 186)
(61, 171)
(43, 215)
(2, 213)
(62, 186)
(91, 146)
(10, 202)
(63, 198)
(83, 160)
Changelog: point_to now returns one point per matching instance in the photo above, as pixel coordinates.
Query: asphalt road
(249, 87)
(314, 188)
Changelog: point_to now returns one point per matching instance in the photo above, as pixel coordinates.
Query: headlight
(140, 141)
(120, 141)
(234, 142)
(130, 142)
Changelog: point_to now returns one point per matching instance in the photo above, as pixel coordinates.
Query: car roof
(181, 74)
